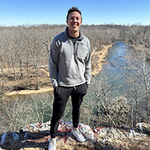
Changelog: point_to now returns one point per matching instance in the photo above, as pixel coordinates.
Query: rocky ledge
(35, 137)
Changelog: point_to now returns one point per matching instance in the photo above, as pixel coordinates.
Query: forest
(24, 52)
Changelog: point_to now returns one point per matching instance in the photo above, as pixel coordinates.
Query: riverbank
(26, 92)
(101, 58)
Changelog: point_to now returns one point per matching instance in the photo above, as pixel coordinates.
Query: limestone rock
(144, 127)
(10, 140)
(36, 136)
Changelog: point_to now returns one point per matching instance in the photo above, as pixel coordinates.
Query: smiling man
(70, 73)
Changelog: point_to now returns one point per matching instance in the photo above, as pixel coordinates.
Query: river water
(113, 72)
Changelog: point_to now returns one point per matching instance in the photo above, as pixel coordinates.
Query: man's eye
(75, 18)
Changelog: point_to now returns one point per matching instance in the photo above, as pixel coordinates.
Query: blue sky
(33, 12)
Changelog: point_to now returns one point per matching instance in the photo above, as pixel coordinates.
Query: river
(126, 73)
(113, 72)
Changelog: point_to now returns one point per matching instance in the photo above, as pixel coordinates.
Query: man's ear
(67, 21)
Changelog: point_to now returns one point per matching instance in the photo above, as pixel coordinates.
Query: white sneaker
(52, 144)
(78, 135)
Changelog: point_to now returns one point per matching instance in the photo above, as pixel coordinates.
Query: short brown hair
(72, 10)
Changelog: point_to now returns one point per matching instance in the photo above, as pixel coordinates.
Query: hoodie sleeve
(53, 62)
(88, 65)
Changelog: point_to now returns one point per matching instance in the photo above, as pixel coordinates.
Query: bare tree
(16, 113)
(139, 79)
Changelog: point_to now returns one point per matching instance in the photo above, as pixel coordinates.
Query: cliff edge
(35, 137)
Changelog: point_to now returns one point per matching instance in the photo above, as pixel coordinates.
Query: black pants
(61, 96)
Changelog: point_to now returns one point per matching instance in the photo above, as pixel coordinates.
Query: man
(70, 73)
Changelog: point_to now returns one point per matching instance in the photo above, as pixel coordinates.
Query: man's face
(74, 21)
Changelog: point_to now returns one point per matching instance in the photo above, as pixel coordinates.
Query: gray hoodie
(69, 64)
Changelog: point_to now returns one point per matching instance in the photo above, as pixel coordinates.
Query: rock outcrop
(35, 137)
(143, 127)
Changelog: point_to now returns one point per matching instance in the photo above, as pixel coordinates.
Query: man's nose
(74, 19)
